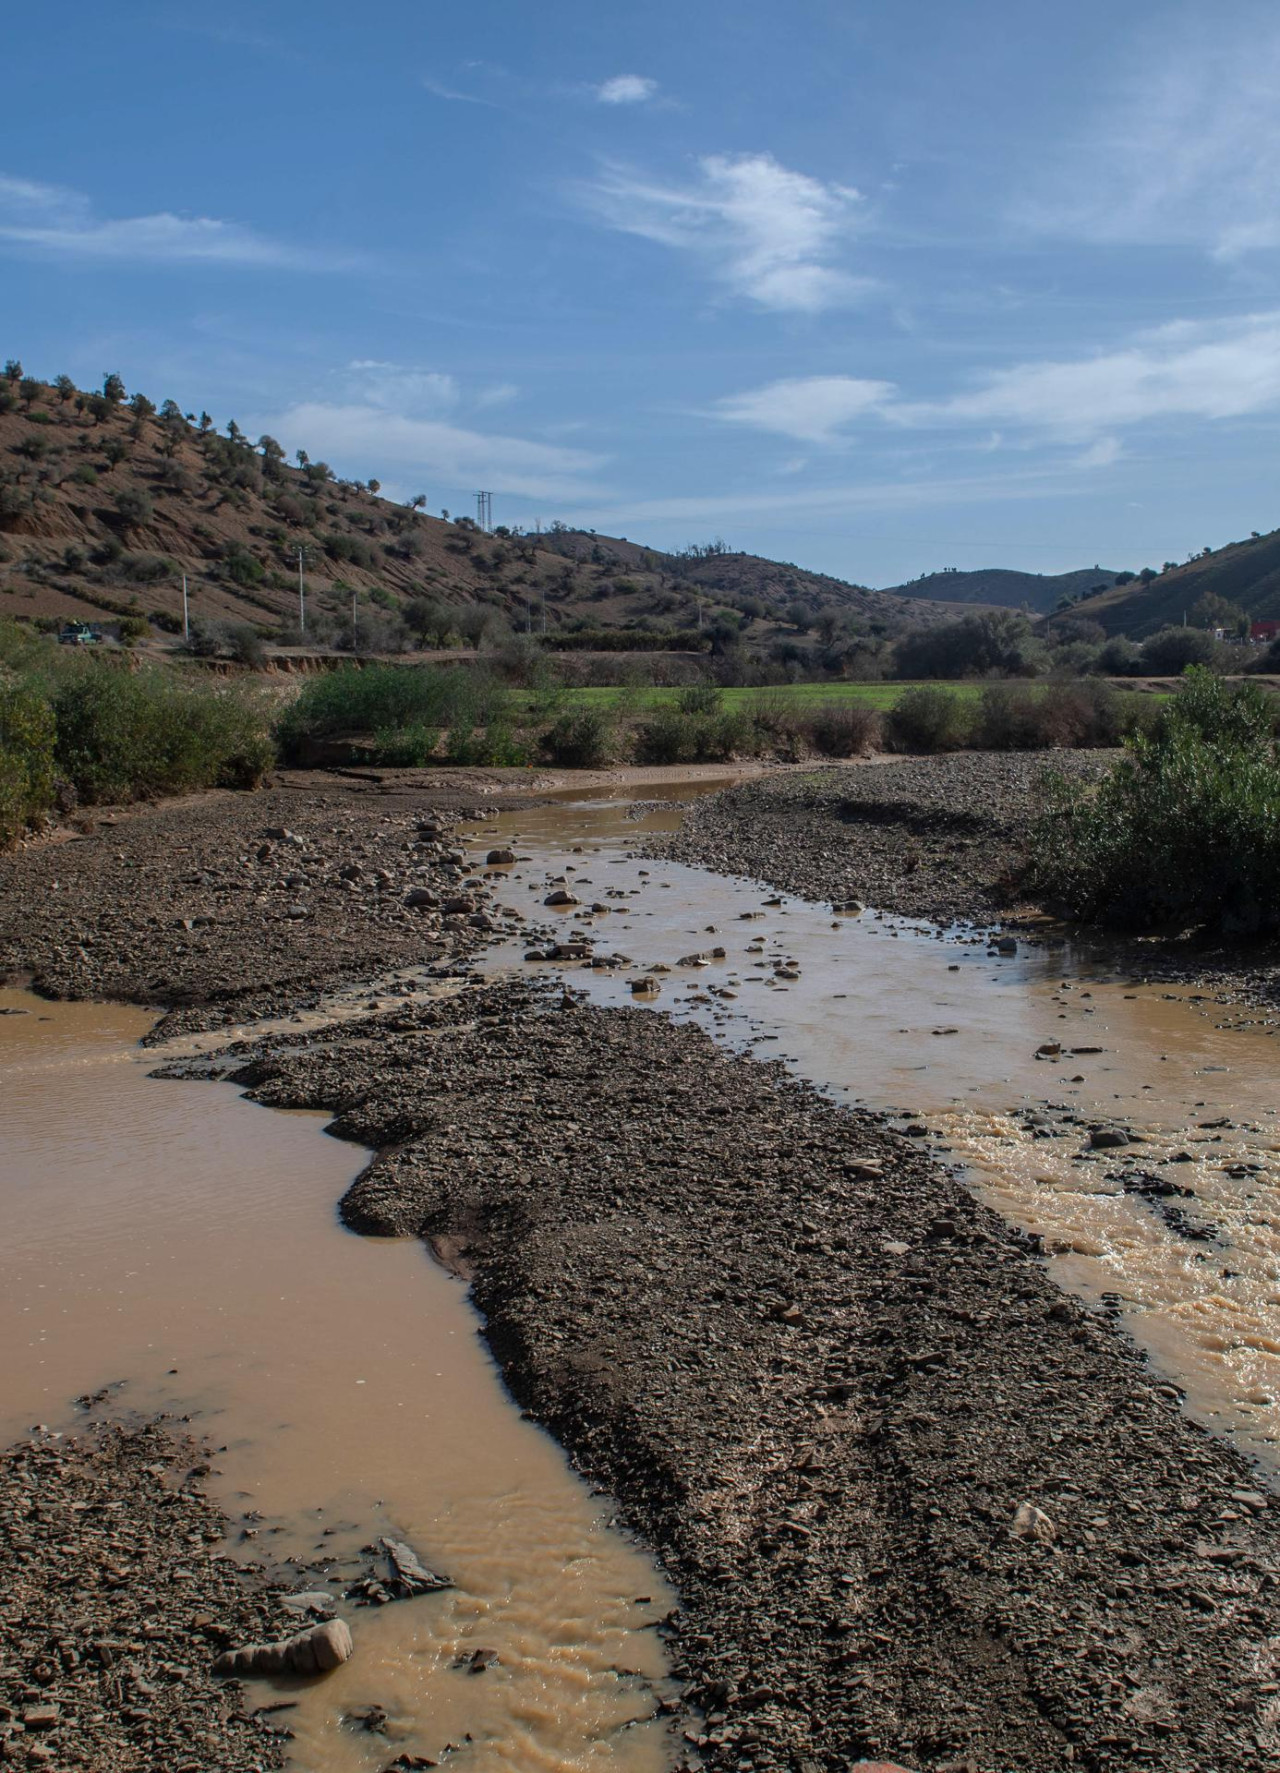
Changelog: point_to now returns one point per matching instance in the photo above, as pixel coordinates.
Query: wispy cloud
(398, 387)
(433, 451)
(626, 89)
(811, 408)
(52, 218)
(1188, 370)
(766, 232)
(1182, 146)
(438, 89)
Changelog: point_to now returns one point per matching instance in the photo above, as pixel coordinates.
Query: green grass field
(793, 695)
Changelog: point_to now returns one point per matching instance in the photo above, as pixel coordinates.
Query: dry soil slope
(102, 510)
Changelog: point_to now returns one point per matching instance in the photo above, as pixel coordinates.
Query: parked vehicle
(79, 634)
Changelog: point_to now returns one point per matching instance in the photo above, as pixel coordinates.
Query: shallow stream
(896, 1014)
(179, 1238)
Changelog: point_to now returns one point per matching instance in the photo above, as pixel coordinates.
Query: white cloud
(395, 387)
(54, 219)
(1182, 146)
(432, 450)
(500, 394)
(626, 89)
(1189, 370)
(769, 233)
(811, 408)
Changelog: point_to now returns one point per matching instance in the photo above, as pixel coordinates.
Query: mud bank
(916, 1502)
(117, 1596)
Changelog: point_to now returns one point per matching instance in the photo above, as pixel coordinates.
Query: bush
(26, 757)
(844, 729)
(926, 718)
(1172, 650)
(1185, 832)
(125, 735)
(381, 701)
(583, 739)
(133, 629)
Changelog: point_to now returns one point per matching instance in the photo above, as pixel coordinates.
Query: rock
(1007, 945)
(40, 1717)
(561, 896)
(460, 907)
(317, 1602)
(500, 858)
(409, 1575)
(421, 898)
(1108, 1138)
(318, 1650)
(1030, 1522)
(1051, 1049)
(645, 988)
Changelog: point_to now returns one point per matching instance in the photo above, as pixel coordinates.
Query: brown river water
(176, 1238)
(179, 1238)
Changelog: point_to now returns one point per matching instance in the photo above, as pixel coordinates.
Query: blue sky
(878, 288)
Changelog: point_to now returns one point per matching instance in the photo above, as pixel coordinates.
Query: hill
(1246, 574)
(1038, 592)
(106, 502)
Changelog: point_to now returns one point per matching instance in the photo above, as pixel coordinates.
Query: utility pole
(353, 619)
(186, 622)
(484, 511)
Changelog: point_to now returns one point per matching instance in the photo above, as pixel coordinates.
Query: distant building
(1264, 632)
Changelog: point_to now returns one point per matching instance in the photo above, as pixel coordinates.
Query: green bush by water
(76, 728)
(1184, 833)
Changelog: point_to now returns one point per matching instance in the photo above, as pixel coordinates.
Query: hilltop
(1040, 593)
(105, 501)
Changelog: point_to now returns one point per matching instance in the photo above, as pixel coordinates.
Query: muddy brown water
(184, 1240)
(896, 1014)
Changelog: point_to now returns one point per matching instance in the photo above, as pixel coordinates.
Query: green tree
(30, 390)
(142, 408)
(113, 388)
(12, 370)
(66, 388)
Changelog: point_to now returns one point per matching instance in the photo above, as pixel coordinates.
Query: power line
(484, 511)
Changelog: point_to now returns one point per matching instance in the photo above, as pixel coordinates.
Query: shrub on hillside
(1185, 832)
(926, 718)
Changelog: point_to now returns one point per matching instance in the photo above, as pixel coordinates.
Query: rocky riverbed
(117, 1596)
(236, 905)
(940, 838)
(915, 1501)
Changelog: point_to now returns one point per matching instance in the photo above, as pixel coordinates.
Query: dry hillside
(1040, 593)
(1243, 573)
(105, 503)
